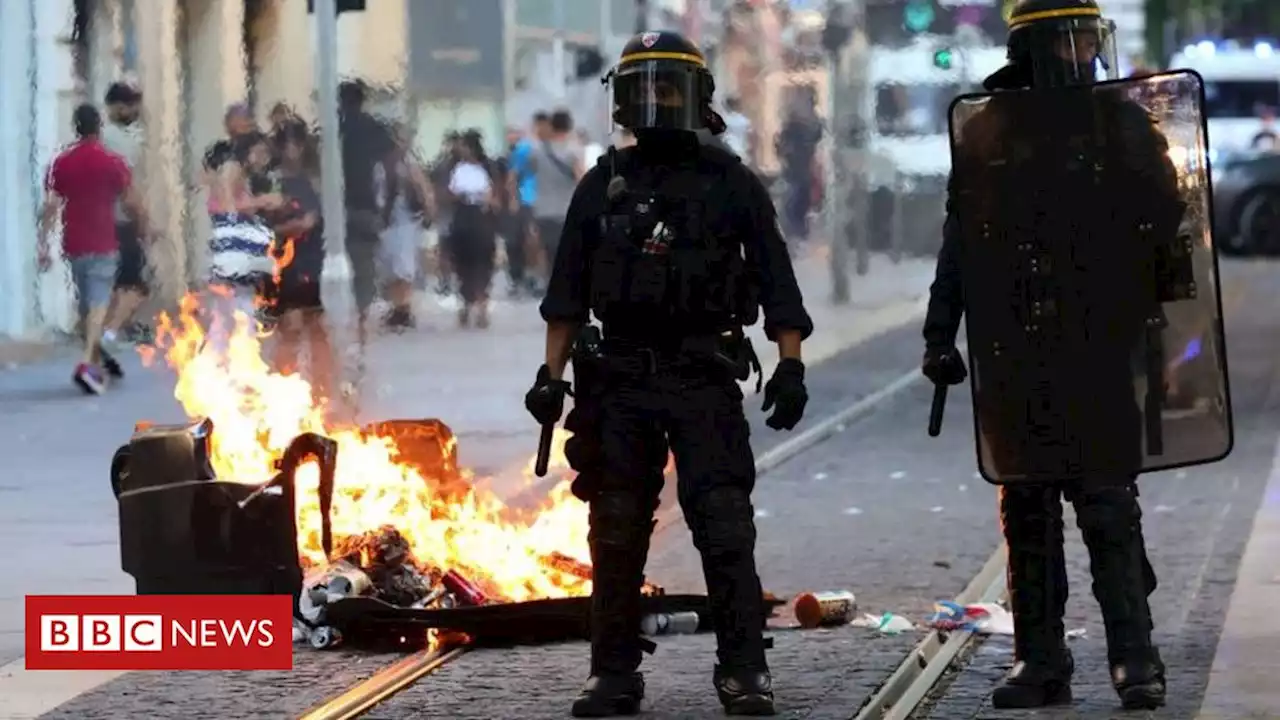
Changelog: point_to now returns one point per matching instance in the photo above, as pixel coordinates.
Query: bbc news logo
(159, 632)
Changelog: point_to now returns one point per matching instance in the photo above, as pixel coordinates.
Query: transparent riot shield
(1092, 300)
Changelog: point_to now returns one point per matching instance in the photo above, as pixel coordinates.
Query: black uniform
(674, 247)
(1106, 504)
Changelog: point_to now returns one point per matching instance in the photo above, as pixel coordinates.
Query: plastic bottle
(681, 623)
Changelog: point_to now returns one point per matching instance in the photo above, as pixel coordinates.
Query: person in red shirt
(83, 185)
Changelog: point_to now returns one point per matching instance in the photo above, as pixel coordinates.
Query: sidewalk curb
(1241, 681)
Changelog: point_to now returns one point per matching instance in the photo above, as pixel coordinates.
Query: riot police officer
(1073, 290)
(674, 246)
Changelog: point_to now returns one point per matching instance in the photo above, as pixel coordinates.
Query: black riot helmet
(1062, 42)
(661, 82)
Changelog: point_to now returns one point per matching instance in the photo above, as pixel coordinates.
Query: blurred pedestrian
(557, 164)
(282, 116)
(237, 121)
(439, 172)
(299, 255)
(82, 188)
(798, 149)
(366, 142)
(405, 200)
(122, 135)
(519, 234)
(471, 243)
(241, 266)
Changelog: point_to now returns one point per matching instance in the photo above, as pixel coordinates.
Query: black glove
(786, 391)
(545, 400)
(943, 366)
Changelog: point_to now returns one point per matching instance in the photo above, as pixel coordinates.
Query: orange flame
(257, 412)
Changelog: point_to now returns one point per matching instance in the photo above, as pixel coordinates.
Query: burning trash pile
(408, 527)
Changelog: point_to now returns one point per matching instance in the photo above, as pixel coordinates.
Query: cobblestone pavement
(867, 510)
(834, 384)
(1197, 522)
(879, 509)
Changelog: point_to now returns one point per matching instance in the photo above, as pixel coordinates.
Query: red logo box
(159, 632)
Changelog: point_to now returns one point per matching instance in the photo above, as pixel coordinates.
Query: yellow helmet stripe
(1020, 20)
(642, 56)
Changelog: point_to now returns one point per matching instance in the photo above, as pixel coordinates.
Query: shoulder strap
(555, 160)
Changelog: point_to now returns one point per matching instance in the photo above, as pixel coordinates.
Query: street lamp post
(331, 180)
(835, 37)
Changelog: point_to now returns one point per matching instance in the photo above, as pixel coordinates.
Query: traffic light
(943, 58)
(919, 15)
(343, 6)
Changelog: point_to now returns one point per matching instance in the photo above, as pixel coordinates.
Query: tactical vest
(667, 249)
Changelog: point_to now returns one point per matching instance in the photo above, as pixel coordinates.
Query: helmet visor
(1074, 51)
(657, 94)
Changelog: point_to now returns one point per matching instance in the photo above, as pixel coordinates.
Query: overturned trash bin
(185, 531)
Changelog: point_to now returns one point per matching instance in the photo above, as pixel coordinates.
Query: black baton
(939, 407)
(544, 449)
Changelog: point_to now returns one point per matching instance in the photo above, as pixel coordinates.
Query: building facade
(436, 64)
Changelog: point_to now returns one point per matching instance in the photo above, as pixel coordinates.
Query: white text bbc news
(145, 633)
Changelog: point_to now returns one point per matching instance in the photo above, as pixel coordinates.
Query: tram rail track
(909, 685)
(362, 697)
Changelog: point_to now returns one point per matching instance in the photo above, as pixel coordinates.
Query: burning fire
(257, 412)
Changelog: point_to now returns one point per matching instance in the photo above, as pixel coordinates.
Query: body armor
(667, 254)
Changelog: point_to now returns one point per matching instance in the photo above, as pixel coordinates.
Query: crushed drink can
(345, 580)
(462, 589)
(681, 623)
(824, 609)
(324, 637)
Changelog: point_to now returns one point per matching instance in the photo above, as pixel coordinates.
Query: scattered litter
(1182, 474)
(981, 618)
(977, 476)
(825, 609)
(935, 509)
(852, 511)
(820, 476)
(897, 475)
(1078, 634)
(888, 623)
(964, 488)
(942, 564)
(1163, 508)
(762, 513)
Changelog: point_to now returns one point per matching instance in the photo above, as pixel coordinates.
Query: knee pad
(619, 518)
(1108, 511)
(723, 522)
(1028, 513)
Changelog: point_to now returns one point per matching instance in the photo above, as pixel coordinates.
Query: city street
(474, 381)
(879, 509)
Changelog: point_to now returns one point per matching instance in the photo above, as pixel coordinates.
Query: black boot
(1041, 675)
(725, 535)
(621, 523)
(609, 695)
(745, 692)
(1111, 522)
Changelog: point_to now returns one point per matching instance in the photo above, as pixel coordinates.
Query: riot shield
(1092, 301)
